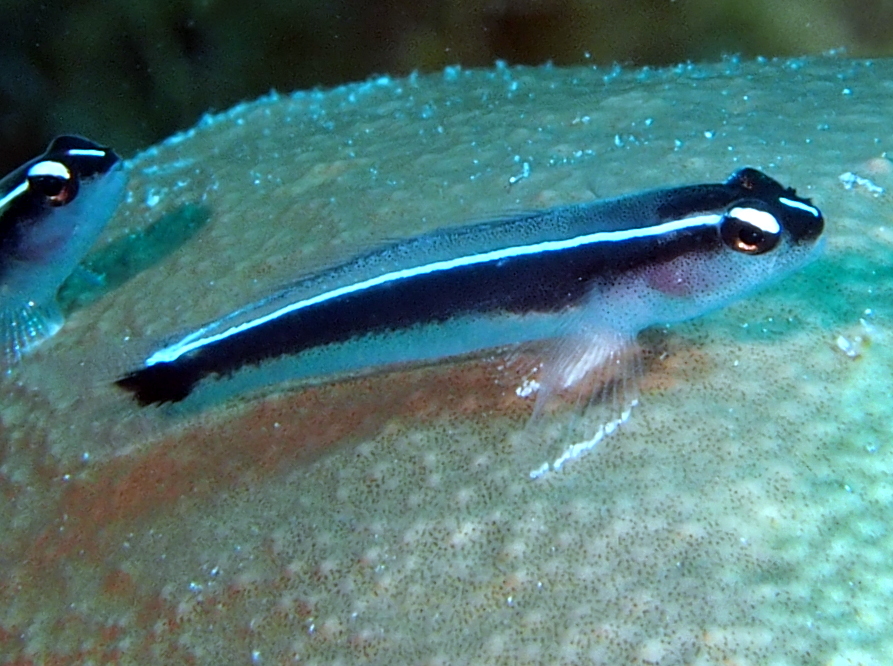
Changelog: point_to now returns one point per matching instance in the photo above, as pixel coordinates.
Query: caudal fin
(160, 383)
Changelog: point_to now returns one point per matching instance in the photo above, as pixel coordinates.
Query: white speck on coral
(576, 450)
(850, 181)
(528, 387)
(851, 348)
(539, 471)
(152, 198)
(525, 173)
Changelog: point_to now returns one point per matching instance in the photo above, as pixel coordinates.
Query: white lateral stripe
(802, 206)
(194, 341)
(18, 191)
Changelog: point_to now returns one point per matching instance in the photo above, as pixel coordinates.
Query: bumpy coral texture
(740, 517)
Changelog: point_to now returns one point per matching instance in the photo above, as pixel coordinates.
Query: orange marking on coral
(245, 441)
(119, 584)
(239, 444)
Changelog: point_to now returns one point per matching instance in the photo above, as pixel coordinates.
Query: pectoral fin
(584, 391)
(24, 326)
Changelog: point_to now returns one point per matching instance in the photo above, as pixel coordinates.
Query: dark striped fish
(590, 276)
(51, 211)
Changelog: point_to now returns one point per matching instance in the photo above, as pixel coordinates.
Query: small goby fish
(590, 276)
(52, 208)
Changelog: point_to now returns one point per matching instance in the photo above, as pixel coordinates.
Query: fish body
(52, 208)
(589, 276)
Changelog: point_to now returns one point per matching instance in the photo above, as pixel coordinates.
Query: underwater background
(132, 73)
(742, 515)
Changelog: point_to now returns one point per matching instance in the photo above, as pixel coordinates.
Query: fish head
(737, 238)
(58, 198)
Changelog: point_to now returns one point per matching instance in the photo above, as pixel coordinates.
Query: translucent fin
(584, 391)
(25, 326)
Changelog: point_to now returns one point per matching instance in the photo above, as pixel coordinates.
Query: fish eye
(54, 181)
(750, 230)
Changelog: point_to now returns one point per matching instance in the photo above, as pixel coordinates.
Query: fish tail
(160, 383)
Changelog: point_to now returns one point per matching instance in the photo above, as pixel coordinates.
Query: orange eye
(750, 230)
(54, 181)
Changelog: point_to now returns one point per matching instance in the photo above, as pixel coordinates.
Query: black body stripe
(533, 283)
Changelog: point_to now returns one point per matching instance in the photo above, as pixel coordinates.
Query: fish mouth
(807, 229)
(804, 222)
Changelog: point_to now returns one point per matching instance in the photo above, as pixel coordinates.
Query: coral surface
(741, 516)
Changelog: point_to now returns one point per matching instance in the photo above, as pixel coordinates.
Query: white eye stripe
(758, 218)
(800, 205)
(86, 152)
(49, 168)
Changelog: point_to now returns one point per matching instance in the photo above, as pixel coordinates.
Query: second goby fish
(594, 274)
(52, 208)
